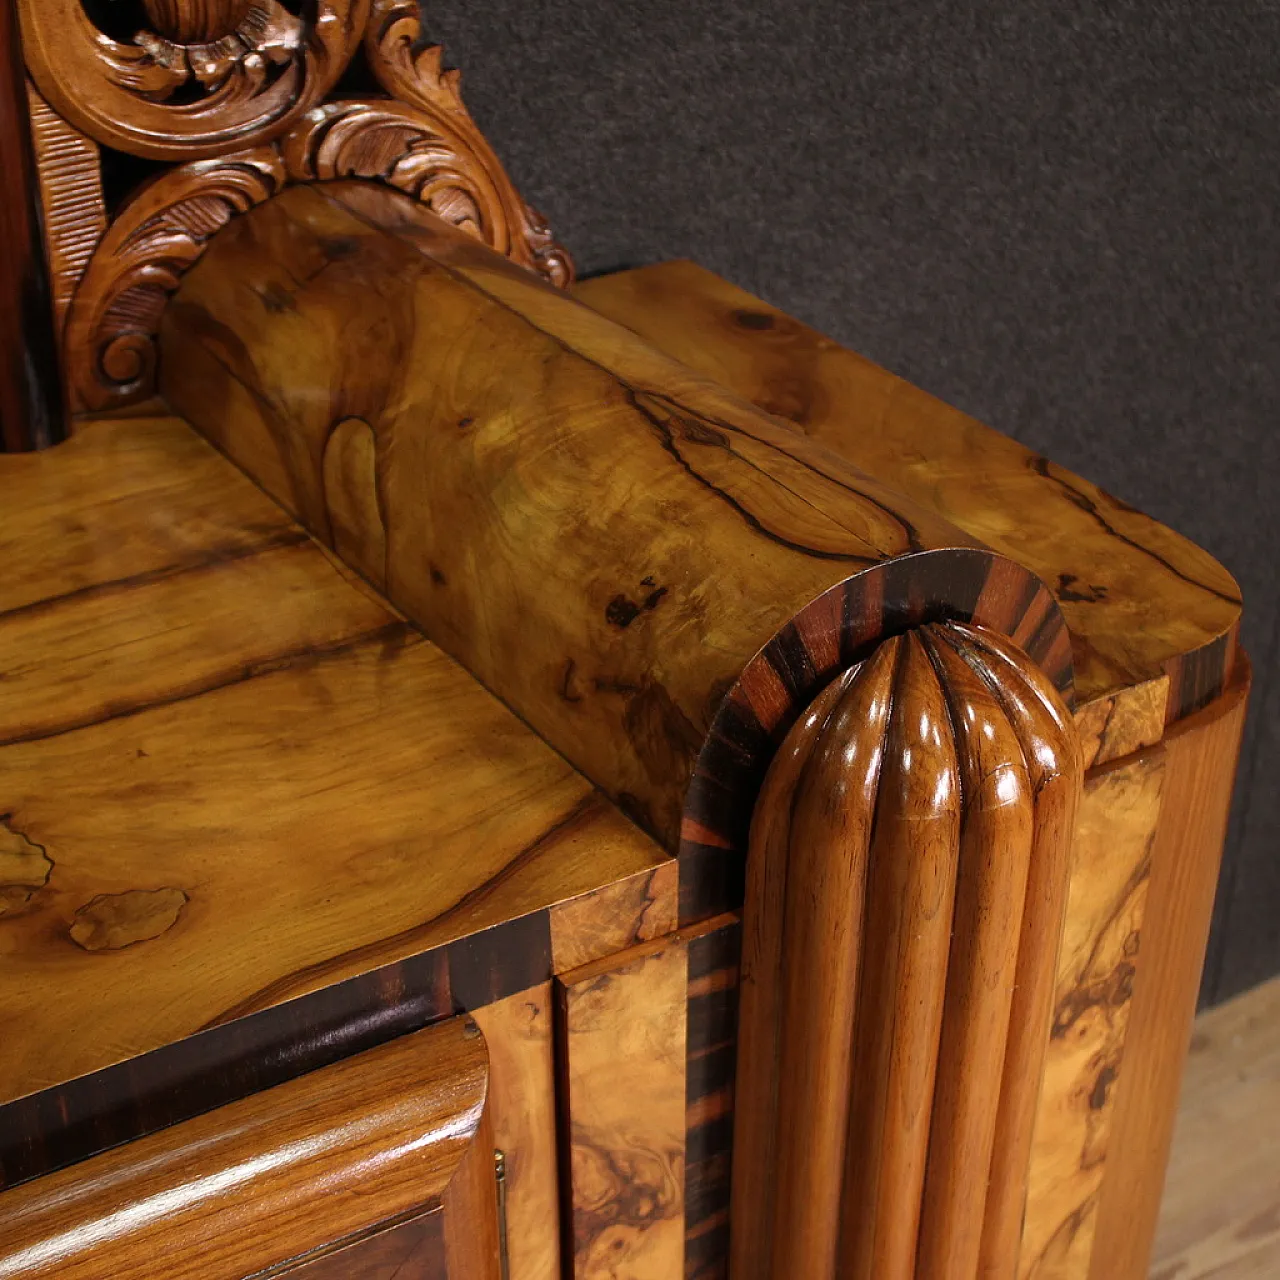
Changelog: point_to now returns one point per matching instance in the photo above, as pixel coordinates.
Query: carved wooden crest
(237, 96)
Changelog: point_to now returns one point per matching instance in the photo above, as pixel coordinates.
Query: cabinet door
(376, 1166)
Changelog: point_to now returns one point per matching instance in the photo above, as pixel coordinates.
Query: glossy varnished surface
(1093, 997)
(1141, 602)
(1186, 849)
(30, 404)
(386, 1137)
(906, 891)
(600, 535)
(230, 777)
(522, 1102)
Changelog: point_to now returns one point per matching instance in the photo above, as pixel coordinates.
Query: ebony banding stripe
(70, 1122)
(710, 1067)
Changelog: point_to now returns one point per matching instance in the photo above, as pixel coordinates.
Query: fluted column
(906, 888)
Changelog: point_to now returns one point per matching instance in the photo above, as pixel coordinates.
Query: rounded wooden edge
(912, 833)
(405, 1126)
(837, 630)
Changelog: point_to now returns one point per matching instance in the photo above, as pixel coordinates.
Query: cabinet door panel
(379, 1165)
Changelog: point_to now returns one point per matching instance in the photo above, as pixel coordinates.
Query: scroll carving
(250, 75)
(906, 891)
(398, 145)
(216, 77)
(109, 338)
(413, 74)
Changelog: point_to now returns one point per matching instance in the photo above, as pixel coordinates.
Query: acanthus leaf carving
(414, 74)
(266, 73)
(109, 338)
(397, 144)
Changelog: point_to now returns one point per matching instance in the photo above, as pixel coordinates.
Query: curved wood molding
(262, 70)
(651, 572)
(390, 1141)
(906, 890)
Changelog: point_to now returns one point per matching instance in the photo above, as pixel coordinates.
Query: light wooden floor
(1221, 1212)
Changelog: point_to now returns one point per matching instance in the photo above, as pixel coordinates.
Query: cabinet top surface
(1143, 604)
(230, 774)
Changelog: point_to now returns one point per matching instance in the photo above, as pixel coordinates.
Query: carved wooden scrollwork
(906, 890)
(109, 339)
(397, 144)
(215, 75)
(413, 74)
(262, 66)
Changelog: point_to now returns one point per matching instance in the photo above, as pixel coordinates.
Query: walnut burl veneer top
(230, 774)
(1143, 604)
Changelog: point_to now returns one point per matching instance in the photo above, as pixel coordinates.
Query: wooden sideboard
(509, 778)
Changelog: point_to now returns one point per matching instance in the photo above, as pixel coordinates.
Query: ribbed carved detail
(905, 896)
(75, 214)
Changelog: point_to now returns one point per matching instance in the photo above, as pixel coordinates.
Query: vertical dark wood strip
(712, 1059)
(254, 1050)
(30, 401)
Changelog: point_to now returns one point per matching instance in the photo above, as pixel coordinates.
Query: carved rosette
(245, 81)
(218, 76)
(907, 884)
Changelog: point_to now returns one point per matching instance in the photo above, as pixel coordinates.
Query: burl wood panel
(1186, 851)
(906, 891)
(615, 918)
(316, 1164)
(1106, 902)
(1141, 602)
(510, 433)
(235, 780)
(522, 1105)
(629, 1027)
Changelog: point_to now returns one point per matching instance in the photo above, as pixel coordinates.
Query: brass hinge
(500, 1171)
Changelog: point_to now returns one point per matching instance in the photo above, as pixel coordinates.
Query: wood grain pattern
(624, 628)
(1110, 869)
(1140, 601)
(522, 1105)
(624, 1049)
(907, 887)
(1218, 1216)
(1185, 855)
(1123, 723)
(30, 400)
(120, 292)
(616, 917)
(383, 1137)
(259, 121)
(168, 635)
(413, 1251)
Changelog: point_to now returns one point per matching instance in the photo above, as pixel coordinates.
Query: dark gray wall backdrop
(1060, 217)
